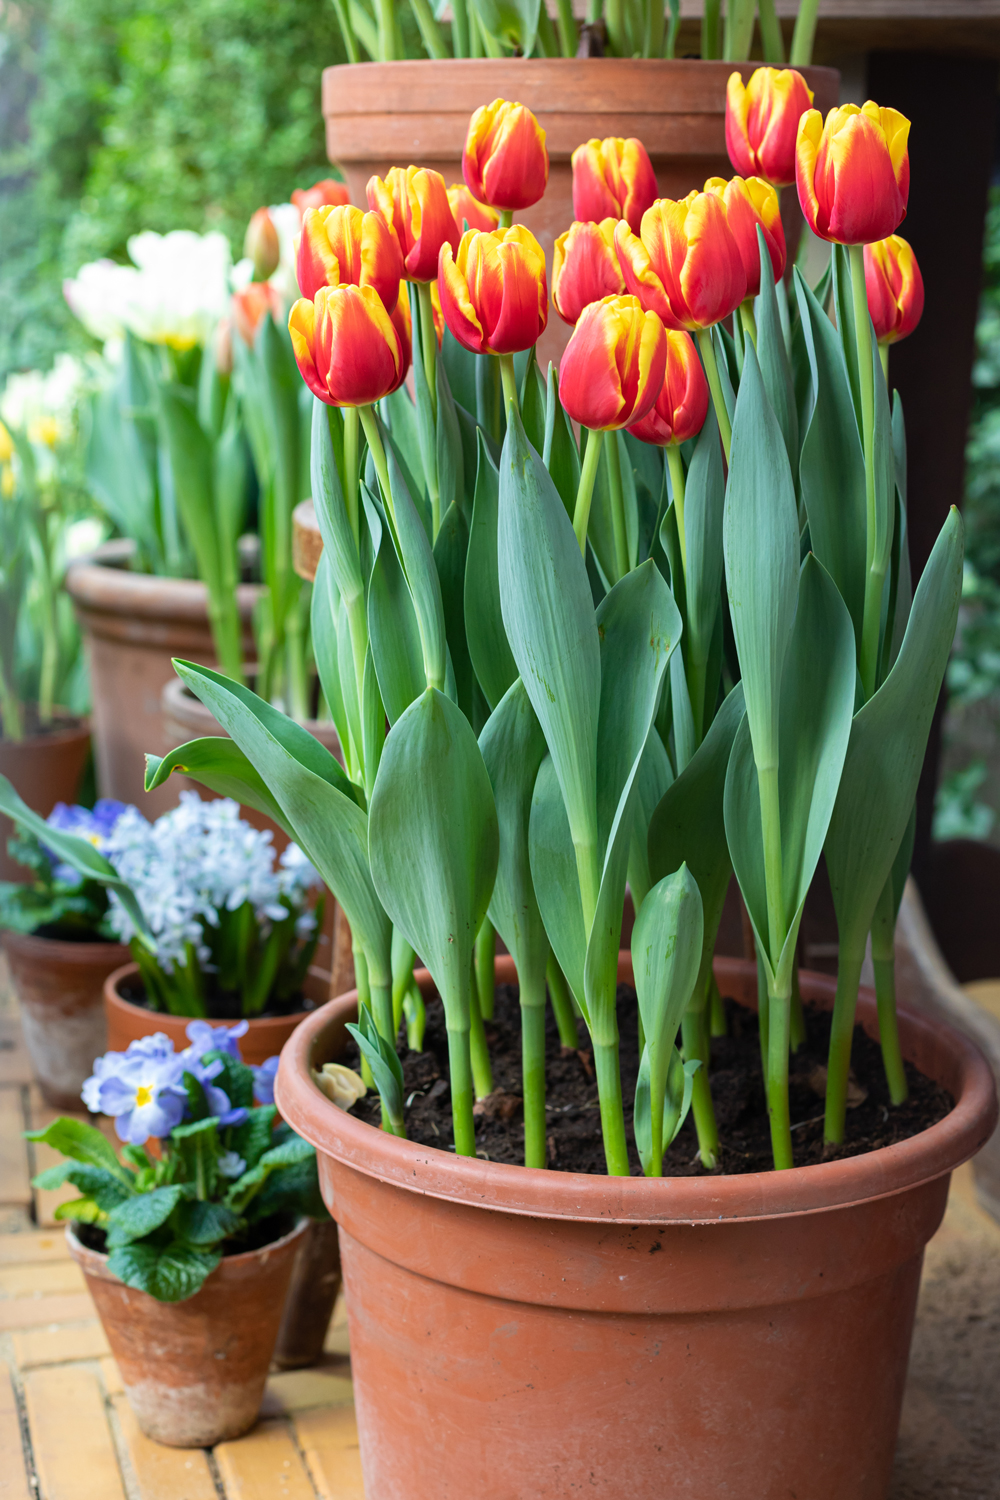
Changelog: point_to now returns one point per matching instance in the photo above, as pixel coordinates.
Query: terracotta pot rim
(539, 1193)
(100, 583)
(112, 998)
(67, 949)
(626, 67)
(178, 697)
(95, 1262)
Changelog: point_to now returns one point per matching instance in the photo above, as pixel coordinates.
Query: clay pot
(311, 1297)
(380, 115)
(556, 1334)
(43, 769)
(264, 1038)
(60, 988)
(194, 1371)
(133, 624)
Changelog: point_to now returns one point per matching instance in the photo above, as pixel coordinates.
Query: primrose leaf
(82, 1142)
(142, 1214)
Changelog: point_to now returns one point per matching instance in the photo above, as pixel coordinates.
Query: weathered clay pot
(194, 1371)
(133, 624)
(311, 1296)
(264, 1038)
(43, 769)
(555, 1334)
(60, 989)
(380, 115)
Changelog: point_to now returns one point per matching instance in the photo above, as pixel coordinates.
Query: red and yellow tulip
(343, 245)
(685, 264)
(613, 178)
(250, 305)
(585, 268)
(325, 192)
(348, 349)
(505, 163)
(613, 366)
(853, 172)
(679, 411)
(469, 210)
(762, 119)
(895, 288)
(414, 201)
(751, 201)
(494, 294)
(261, 245)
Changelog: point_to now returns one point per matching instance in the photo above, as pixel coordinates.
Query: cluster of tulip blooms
(547, 636)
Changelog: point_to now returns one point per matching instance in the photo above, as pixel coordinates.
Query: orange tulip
(260, 244)
(748, 203)
(679, 411)
(250, 305)
(613, 177)
(341, 245)
(505, 163)
(348, 349)
(327, 192)
(853, 173)
(685, 264)
(585, 268)
(762, 118)
(494, 295)
(895, 288)
(613, 366)
(469, 210)
(414, 201)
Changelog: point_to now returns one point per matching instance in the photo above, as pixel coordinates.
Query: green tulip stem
(778, 1011)
(613, 464)
(428, 342)
(609, 1092)
(749, 321)
(707, 349)
(352, 432)
(460, 1073)
(798, 1022)
(695, 1040)
(400, 986)
(884, 961)
(675, 465)
(10, 707)
(533, 1068)
(486, 949)
(506, 218)
(566, 23)
(875, 566)
(883, 354)
(381, 1002)
(364, 1003)
(802, 37)
(509, 381)
(585, 489)
(562, 1004)
(838, 1065)
(770, 820)
(482, 1071)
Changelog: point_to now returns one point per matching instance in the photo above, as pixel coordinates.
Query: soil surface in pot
(574, 1132)
(222, 1005)
(256, 1237)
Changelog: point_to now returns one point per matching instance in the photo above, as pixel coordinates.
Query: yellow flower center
(143, 1095)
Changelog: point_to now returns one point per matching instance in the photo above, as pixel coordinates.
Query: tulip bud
(679, 411)
(249, 306)
(505, 163)
(613, 177)
(494, 294)
(469, 210)
(327, 193)
(613, 366)
(853, 173)
(261, 245)
(685, 264)
(585, 268)
(343, 245)
(762, 118)
(414, 201)
(748, 203)
(347, 347)
(895, 288)
(223, 347)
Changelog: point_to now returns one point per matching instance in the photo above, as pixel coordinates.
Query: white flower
(174, 293)
(43, 404)
(231, 1165)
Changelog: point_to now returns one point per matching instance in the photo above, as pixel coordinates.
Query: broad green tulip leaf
(372, 722)
(898, 597)
(556, 880)
(560, 454)
(489, 403)
(843, 309)
(884, 462)
(514, 22)
(450, 453)
(460, 363)
(339, 546)
(433, 840)
(600, 530)
(776, 372)
(450, 553)
(899, 446)
(630, 503)
(393, 629)
(327, 618)
(417, 562)
(347, 672)
(901, 864)
(469, 429)
(533, 404)
(400, 416)
(387, 1070)
(426, 430)
(489, 650)
(725, 359)
(647, 464)
(655, 777)
(704, 506)
(218, 763)
(414, 488)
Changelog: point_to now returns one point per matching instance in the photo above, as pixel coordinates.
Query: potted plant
(187, 1239)
(682, 645)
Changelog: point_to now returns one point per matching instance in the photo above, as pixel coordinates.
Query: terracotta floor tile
(329, 1440)
(15, 1064)
(264, 1465)
(39, 1312)
(15, 1186)
(42, 1279)
(58, 1346)
(73, 1448)
(30, 1248)
(163, 1473)
(13, 1474)
(297, 1390)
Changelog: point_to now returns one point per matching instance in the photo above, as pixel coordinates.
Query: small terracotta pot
(60, 988)
(194, 1371)
(554, 1334)
(311, 1297)
(264, 1038)
(380, 115)
(133, 624)
(43, 769)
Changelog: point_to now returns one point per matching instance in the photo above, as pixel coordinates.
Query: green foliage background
(122, 115)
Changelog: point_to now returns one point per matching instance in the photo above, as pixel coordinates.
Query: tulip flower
(494, 293)
(414, 202)
(326, 193)
(677, 414)
(347, 347)
(403, 325)
(505, 163)
(343, 245)
(469, 210)
(260, 244)
(613, 177)
(749, 202)
(585, 268)
(762, 118)
(895, 290)
(611, 373)
(853, 172)
(250, 305)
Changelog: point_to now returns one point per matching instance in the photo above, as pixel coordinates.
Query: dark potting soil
(572, 1111)
(264, 1232)
(223, 1005)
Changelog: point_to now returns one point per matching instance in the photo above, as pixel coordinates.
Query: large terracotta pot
(530, 1334)
(60, 990)
(380, 115)
(43, 769)
(133, 624)
(194, 1371)
(264, 1038)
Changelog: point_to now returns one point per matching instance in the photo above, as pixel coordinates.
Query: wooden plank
(264, 1465)
(298, 1390)
(14, 1483)
(39, 1312)
(73, 1448)
(41, 1279)
(329, 1440)
(163, 1473)
(15, 1064)
(29, 1248)
(58, 1346)
(15, 1184)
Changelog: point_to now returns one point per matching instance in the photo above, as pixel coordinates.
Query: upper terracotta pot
(380, 115)
(43, 769)
(703, 1338)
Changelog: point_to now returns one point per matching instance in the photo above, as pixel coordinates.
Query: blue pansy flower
(143, 1089)
(204, 1037)
(263, 1081)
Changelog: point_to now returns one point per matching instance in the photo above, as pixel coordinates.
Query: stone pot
(43, 769)
(60, 989)
(311, 1297)
(554, 1333)
(194, 1371)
